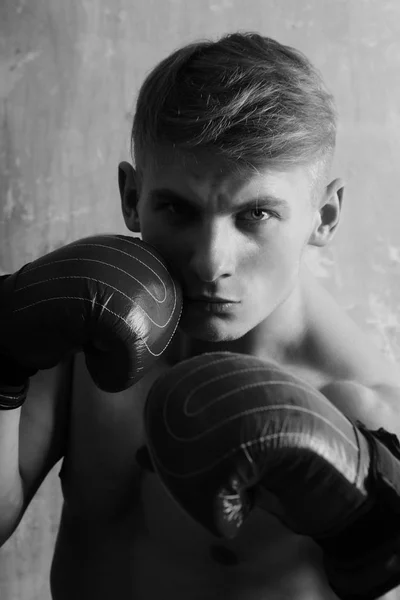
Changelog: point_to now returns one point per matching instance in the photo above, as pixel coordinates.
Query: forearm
(11, 486)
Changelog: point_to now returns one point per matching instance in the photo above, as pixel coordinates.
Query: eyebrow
(265, 200)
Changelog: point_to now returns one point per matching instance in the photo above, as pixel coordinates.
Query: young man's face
(234, 239)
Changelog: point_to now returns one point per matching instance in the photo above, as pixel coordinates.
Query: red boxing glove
(222, 427)
(111, 296)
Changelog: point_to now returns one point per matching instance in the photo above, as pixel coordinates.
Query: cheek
(278, 257)
(154, 233)
(292, 243)
(168, 246)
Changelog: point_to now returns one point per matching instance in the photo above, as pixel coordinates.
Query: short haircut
(246, 97)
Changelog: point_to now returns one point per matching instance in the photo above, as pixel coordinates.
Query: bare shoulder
(339, 347)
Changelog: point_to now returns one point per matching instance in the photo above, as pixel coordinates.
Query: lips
(212, 299)
(209, 299)
(211, 305)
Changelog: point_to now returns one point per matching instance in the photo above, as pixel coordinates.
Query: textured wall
(69, 73)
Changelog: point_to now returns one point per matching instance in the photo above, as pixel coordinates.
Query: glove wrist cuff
(363, 561)
(12, 398)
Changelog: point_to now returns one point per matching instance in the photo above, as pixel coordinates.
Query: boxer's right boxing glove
(226, 431)
(111, 296)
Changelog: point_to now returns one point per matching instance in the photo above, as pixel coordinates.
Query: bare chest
(106, 490)
(100, 474)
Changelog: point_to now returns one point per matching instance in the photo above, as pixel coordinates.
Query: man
(233, 143)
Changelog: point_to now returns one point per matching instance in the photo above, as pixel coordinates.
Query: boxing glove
(110, 296)
(224, 430)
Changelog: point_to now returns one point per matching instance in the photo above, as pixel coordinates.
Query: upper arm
(375, 405)
(44, 425)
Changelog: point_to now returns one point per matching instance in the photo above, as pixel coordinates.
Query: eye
(256, 215)
(176, 210)
(168, 207)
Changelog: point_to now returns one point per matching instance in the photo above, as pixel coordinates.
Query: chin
(213, 331)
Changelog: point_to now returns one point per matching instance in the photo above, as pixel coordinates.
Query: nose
(213, 252)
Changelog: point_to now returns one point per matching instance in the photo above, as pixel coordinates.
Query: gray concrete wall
(69, 74)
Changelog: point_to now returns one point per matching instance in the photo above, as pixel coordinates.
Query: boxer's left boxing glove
(111, 296)
(222, 427)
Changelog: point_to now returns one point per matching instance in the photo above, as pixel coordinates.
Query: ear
(128, 189)
(328, 214)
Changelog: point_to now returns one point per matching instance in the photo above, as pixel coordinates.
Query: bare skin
(121, 535)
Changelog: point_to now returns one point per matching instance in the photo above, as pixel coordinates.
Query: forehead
(206, 175)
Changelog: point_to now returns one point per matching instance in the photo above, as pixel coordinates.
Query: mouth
(212, 299)
(211, 304)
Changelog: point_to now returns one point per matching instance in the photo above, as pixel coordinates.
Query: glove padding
(111, 296)
(221, 427)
